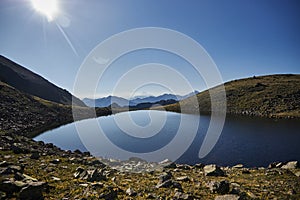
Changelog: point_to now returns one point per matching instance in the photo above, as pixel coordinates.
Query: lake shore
(29, 167)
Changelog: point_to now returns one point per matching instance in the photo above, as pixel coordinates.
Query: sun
(49, 8)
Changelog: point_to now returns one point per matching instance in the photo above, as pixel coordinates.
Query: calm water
(252, 142)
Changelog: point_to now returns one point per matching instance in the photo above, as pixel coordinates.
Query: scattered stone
(238, 166)
(221, 187)
(183, 166)
(164, 177)
(213, 170)
(55, 178)
(131, 192)
(165, 184)
(33, 191)
(167, 164)
(35, 155)
(90, 175)
(227, 197)
(275, 165)
(199, 165)
(9, 187)
(182, 196)
(111, 194)
(4, 164)
(291, 165)
(297, 173)
(29, 178)
(55, 161)
(18, 176)
(183, 178)
(97, 185)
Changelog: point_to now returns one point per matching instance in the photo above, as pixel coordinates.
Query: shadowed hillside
(28, 115)
(265, 96)
(31, 83)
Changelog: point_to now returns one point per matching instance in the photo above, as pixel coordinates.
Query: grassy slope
(266, 96)
(28, 115)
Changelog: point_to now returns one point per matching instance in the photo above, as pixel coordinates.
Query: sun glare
(49, 8)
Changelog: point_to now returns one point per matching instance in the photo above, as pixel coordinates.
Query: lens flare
(49, 8)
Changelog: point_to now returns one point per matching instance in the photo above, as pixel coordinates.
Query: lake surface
(154, 136)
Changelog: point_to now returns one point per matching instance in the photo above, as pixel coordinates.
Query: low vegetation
(275, 96)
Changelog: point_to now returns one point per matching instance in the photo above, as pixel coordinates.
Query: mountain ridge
(29, 82)
(122, 102)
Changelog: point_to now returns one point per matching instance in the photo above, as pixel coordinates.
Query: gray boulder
(213, 170)
(291, 165)
(221, 187)
(33, 191)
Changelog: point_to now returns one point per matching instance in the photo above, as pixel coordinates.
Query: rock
(183, 178)
(96, 175)
(17, 149)
(77, 151)
(164, 177)
(9, 187)
(291, 165)
(4, 164)
(245, 171)
(221, 187)
(18, 176)
(92, 175)
(29, 178)
(109, 195)
(55, 178)
(55, 161)
(167, 164)
(235, 188)
(33, 191)
(165, 184)
(238, 166)
(297, 174)
(275, 165)
(182, 196)
(97, 185)
(227, 197)
(131, 192)
(199, 165)
(183, 166)
(12, 169)
(35, 155)
(79, 173)
(213, 170)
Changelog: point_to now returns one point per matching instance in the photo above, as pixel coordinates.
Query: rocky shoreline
(34, 170)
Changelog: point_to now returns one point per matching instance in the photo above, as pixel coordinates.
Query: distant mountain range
(31, 83)
(121, 102)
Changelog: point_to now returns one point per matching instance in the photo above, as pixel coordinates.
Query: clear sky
(244, 38)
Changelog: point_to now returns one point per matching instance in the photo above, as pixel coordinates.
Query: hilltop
(264, 96)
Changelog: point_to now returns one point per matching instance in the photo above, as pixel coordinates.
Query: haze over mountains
(29, 82)
(121, 102)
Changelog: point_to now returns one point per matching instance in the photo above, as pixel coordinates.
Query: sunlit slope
(267, 96)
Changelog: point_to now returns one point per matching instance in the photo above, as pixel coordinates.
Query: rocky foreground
(34, 170)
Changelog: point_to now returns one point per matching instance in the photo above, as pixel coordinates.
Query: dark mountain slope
(266, 96)
(27, 115)
(33, 84)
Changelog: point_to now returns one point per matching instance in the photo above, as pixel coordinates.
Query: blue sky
(244, 38)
